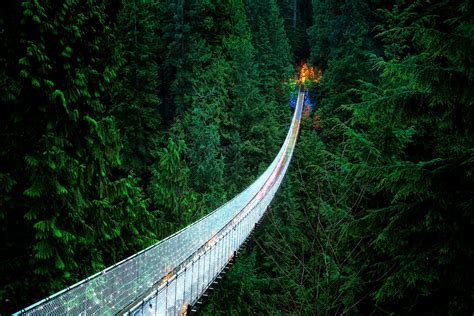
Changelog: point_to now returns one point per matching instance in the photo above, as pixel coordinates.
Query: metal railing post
(184, 284)
(175, 294)
(192, 277)
(198, 287)
(166, 298)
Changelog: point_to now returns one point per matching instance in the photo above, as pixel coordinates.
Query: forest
(123, 121)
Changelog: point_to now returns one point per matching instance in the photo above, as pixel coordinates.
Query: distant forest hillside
(123, 121)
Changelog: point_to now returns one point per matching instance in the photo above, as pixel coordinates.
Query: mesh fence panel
(161, 302)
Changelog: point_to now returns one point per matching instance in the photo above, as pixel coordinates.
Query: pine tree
(135, 102)
(180, 54)
(202, 125)
(413, 119)
(297, 16)
(170, 191)
(64, 208)
(271, 45)
(383, 186)
(250, 134)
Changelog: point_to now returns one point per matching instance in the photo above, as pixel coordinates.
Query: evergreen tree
(421, 214)
(180, 56)
(65, 213)
(202, 124)
(382, 186)
(170, 191)
(250, 134)
(271, 46)
(297, 16)
(135, 102)
(339, 38)
(124, 121)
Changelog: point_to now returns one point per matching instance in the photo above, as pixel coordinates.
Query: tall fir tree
(65, 212)
(421, 214)
(135, 103)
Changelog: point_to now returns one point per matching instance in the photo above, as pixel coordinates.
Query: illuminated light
(213, 239)
(183, 310)
(308, 73)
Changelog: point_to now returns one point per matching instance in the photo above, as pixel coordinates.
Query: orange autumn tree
(308, 73)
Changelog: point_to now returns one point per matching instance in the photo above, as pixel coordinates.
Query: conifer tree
(170, 192)
(250, 133)
(383, 185)
(413, 119)
(297, 16)
(65, 212)
(183, 52)
(202, 125)
(271, 46)
(135, 101)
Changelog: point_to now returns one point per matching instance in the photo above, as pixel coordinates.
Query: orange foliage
(304, 72)
(308, 73)
(306, 110)
(318, 76)
(317, 121)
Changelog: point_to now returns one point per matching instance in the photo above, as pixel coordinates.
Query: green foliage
(377, 211)
(244, 281)
(424, 144)
(170, 191)
(135, 101)
(297, 16)
(271, 45)
(123, 121)
(66, 210)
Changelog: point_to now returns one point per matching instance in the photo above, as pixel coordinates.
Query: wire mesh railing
(165, 278)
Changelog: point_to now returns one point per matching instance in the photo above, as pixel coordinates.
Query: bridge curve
(167, 277)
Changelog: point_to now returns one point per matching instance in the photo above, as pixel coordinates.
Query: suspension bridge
(170, 277)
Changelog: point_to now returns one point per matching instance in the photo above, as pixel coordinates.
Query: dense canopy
(123, 121)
